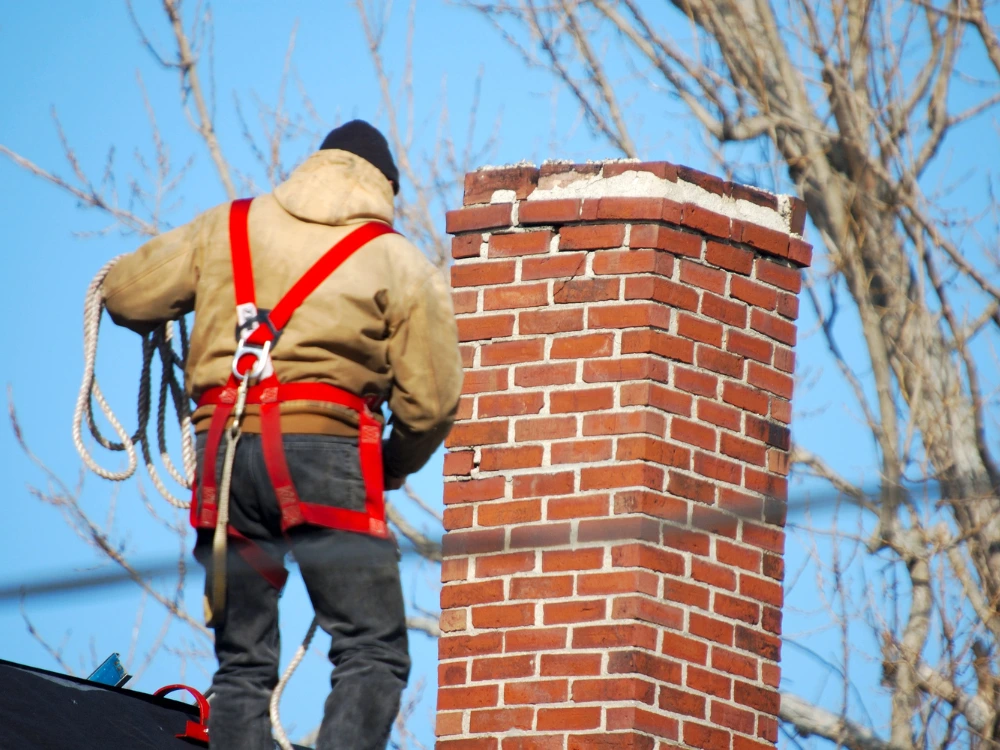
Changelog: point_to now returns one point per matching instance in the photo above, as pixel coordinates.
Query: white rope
(279, 731)
(160, 342)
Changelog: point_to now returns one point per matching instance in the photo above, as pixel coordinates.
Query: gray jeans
(352, 580)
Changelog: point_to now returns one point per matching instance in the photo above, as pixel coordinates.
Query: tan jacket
(382, 323)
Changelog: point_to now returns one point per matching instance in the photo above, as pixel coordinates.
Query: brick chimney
(616, 483)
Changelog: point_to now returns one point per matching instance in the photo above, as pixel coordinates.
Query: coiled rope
(162, 342)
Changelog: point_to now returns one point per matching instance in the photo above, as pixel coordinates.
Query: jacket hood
(336, 187)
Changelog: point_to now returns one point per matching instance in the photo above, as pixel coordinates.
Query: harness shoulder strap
(239, 250)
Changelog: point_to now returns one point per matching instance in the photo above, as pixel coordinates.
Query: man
(381, 326)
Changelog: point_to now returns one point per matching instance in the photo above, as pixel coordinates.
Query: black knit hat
(360, 138)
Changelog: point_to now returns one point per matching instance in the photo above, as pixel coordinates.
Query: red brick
(510, 404)
(465, 594)
(719, 414)
(797, 223)
(650, 449)
(479, 696)
(629, 316)
(562, 613)
(554, 266)
(693, 433)
(570, 665)
(516, 296)
(749, 346)
(581, 451)
(706, 181)
(716, 468)
(650, 558)
(549, 321)
(773, 567)
(512, 352)
(767, 240)
(522, 243)
(640, 662)
(712, 574)
(698, 275)
(576, 559)
(714, 522)
(577, 717)
(764, 537)
(650, 394)
(544, 691)
(542, 587)
(661, 290)
(613, 689)
(586, 506)
(474, 490)
(452, 673)
(744, 450)
(753, 293)
(735, 663)
(626, 527)
(578, 347)
(461, 646)
(784, 359)
(501, 565)
(648, 610)
(753, 195)
(585, 399)
(464, 411)
(748, 399)
(618, 582)
(741, 557)
(761, 699)
(681, 702)
(534, 639)
(504, 514)
(705, 737)
(482, 274)
(472, 542)
(624, 422)
(503, 616)
(788, 306)
(770, 380)
(716, 360)
(619, 369)
(478, 743)
(615, 636)
(478, 217)
(728, 312)
(762, 590)
(585, 290)
(541, 485)
(621, 475)
(543, 428)
(685, 649)
(481, 184)
(548, 212)
(499, 459)
(783, 277)
(709, 682)
(592, 237)
(729, 257)
(455, 569)
(646, 341)
(540, 535)
(500, 720)
(630, 209)
(466, 247)
(664, 238)
(698, 329)
(711, 629)
(781, 410)
(737, 609)
(622, 262)
(740, 503)
(532, 376)
(691, 488)
(465, 301)
(662, 169)
(458, 463)
(705, 221)
(800, 252)
(480, 381)
(696, 382)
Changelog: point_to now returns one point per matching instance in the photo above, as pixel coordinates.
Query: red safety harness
(257, 333)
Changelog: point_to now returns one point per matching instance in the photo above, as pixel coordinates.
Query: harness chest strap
(269, 393)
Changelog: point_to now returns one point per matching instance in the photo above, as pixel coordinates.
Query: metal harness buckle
(261, 355)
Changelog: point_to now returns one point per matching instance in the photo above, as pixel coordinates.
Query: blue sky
(83, 59)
